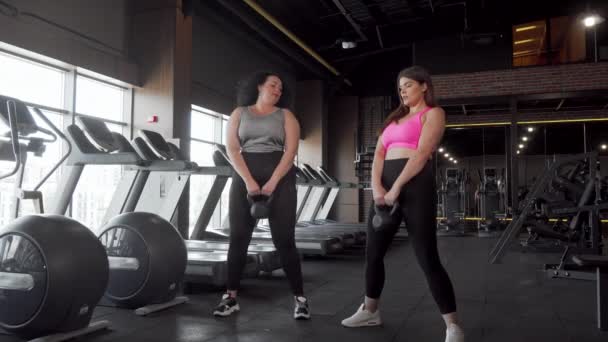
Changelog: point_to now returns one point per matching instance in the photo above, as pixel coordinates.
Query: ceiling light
(589, 21)
(517, 53)
(524, 138)
(521, 145)
(441, 150)
(455, 161)
(517, 151)
(451, 158)
(525, 28)
(348, 45)
(592, 20)
(523, 41)
(530, 129)
(604, 146)
(446, 155)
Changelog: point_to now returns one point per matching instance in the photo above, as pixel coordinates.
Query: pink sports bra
(405, 134)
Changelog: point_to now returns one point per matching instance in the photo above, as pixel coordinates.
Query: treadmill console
(219, 159)
(157, 144)
(300, 174)
(98, 133)
(451, 173)
(490, 172)
(324, 174)
(220, 155)
(142, 149)
(26, 124)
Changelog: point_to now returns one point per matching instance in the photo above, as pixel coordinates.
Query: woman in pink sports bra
(402, 173)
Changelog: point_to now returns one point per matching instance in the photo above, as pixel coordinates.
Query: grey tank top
(262, 133)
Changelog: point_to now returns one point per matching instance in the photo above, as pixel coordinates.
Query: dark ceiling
(382, 26)
(389, 33)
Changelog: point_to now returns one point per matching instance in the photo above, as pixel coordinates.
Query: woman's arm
(432, 131)
(233, 148)
(292, 139)
(378, 190)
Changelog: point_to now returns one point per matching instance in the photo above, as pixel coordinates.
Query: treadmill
(325, 201)
(320, 195)
(152, 147)
(334, 187)
(346, 238)
(308, 243)
(94, 144)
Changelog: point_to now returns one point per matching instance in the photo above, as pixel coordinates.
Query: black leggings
(418, 204)
(282, 219)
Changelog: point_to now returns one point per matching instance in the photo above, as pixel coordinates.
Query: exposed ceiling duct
(350, 19)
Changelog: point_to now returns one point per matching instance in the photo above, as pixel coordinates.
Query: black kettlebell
(385, 216)
(259, 205)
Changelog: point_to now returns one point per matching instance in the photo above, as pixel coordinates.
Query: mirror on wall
(471, 150)
(472, 160)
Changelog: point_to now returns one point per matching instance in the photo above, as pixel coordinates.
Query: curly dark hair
(247, 89)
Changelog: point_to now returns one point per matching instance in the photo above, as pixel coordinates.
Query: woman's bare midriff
(399, 153)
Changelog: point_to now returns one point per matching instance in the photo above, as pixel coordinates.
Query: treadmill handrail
(164, 166)
(329, 182)
(121, 158)
(182, 166)
(312, 180)
(332, 180)
(324, 181)
(213, 170)
(321, 172)
(57, 133)
(222, 150)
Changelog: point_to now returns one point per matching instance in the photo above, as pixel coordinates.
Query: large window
(36, 83)
(99, 99)
(31, 82)
(42, 85)
(94, 191)
(97, 184)
(208, 128)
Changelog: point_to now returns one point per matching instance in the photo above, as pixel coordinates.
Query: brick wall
(531, 80)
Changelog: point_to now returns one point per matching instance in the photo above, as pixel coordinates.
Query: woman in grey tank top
(262, 142)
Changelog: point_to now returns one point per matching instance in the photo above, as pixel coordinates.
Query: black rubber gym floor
(508, 302)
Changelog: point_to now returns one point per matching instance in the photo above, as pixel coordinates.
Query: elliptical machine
(46, 288)
(490, 202)
(452, 195)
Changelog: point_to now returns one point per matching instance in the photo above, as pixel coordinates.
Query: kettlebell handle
(394, 208)
(258, 196)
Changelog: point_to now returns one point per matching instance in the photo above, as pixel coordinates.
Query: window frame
(218, 138)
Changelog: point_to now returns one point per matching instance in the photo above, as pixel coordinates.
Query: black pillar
(514, 156)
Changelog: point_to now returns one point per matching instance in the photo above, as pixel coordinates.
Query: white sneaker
(454, 333)
(363, 318)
